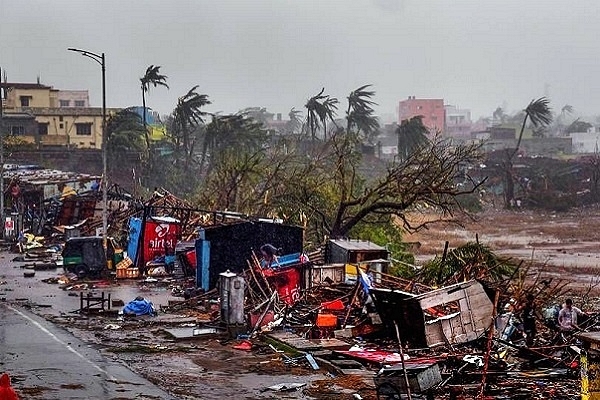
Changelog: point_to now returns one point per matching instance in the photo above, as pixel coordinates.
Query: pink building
(432, 111)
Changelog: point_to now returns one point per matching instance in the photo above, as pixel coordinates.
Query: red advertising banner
(159, 235)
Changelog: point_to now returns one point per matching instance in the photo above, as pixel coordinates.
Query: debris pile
(473, 328)
(467, 338)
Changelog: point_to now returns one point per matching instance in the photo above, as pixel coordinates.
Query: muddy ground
(563, 245)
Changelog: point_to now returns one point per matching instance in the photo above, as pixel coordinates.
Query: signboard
(159, 235)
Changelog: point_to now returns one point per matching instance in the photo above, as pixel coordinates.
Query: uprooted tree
(337, 194)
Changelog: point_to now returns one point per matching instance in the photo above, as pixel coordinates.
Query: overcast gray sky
(477, 54)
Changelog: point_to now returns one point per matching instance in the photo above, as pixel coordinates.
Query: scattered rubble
(336, 314)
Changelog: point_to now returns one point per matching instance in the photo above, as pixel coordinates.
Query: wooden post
(444, 255)
(402, 361)
(251, 267)
(257, 262)
(356, 289)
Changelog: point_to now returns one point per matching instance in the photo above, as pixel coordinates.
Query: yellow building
(46, 116)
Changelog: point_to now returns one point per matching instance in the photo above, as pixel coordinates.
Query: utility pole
(100, 59)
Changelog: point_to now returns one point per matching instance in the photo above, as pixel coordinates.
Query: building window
(84, 129)
(79, 103)
(17, 130)
(64, 103)
(42, 129)
(25, 100)
(60, 118)
(61, 125)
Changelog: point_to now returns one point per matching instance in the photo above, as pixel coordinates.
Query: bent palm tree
(412, 134)
(319, 109)
(154, 78)
(540, 114)
(566, 111)
(235, 134)
(295, 123)
(360, 114)
(125, 143)
(186, 117)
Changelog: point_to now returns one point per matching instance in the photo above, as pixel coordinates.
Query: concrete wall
(72, 96)
(40, 97)
(66, 127)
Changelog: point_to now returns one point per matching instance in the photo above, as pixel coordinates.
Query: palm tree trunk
(146, 134)
(520, 137)
(509, 190)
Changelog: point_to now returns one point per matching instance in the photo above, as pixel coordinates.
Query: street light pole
(99, 58)
(1, 160)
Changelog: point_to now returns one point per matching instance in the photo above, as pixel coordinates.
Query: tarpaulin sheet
(139, 307)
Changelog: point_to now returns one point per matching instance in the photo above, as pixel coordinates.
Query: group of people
(567, 319)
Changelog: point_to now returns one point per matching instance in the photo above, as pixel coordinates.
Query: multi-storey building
(431, 110)
(46, 116)
(458, 122)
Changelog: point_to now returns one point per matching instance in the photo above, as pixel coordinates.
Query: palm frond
(539, 112)
(153, 77)
(360, 114)
(319, 109)
(567, 109)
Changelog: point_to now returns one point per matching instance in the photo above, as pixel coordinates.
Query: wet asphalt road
(46, 362)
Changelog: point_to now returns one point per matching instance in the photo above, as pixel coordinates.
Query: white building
(458, 122)
(585, 142)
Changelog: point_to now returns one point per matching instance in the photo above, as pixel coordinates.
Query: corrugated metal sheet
(356, 245)
(35, 175)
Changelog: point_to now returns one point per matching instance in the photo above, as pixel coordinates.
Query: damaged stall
(41, 199)
(229, 247)
(356, 252)
(454, 314)
(286, 276)
(152, 243)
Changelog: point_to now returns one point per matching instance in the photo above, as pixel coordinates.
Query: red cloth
(245, 345)
(6, 392)
(334, 305)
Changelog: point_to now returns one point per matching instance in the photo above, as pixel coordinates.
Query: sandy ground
(561, 245)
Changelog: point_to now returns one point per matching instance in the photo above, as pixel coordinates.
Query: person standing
(169, 259)
(528, 318)
(568, 317)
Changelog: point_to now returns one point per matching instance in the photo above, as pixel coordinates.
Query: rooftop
(17, 85)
